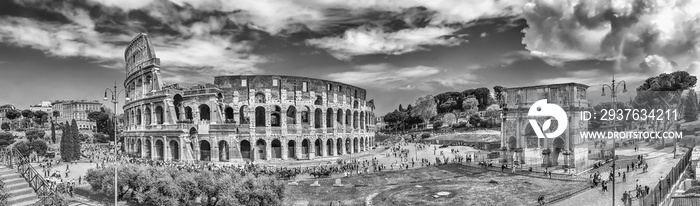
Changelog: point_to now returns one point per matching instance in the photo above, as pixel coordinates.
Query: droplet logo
(542, 109)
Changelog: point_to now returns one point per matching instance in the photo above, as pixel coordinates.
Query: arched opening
(159, 150)
(188, 113)
(329, 147)
(204, 112)
(276, 149)
(149, 84)
(223, 151)
(319, 100)
(317, 147)
(329, 118)
(291, 115)
(204, 151)
(362, 120)
(558, 146)
(140, 86)
(260, 116)
(243, 118)
(174, 150)
(512, 143)
(159, 114)
(275, 117)
(348, 118)
(339, 146)
(356, 145)
(228, 114)
(147, 115)
(132, 118)
(317, 118)
(138, 147)
(262, 152)
(245, 149)
(355, 105)
(305, 115)
(305, 148)
(291, 149)
(177, 102)
(220, 97)
(147, 146)
(348, 146)
(260, 98)
(354, 119)
(340, 117)
(138, 117)
(362, 143)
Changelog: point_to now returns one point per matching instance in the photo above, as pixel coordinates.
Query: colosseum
(240, 117)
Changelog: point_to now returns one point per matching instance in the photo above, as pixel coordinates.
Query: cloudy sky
(397, 49)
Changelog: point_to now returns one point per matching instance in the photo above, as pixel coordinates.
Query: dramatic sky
(397, 49)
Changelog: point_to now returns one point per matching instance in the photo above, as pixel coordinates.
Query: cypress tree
(66, 139)
(53, 133)
(691, 107)
(75, 143)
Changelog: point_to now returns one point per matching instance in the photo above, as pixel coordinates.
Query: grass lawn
(465, 186)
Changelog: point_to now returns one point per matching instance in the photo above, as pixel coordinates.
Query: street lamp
(115, 93)
(613, 94)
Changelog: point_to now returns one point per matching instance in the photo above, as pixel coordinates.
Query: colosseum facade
(240, 117)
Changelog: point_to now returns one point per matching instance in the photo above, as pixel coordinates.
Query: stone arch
(348, 144)
(275, 116)
(260, 98)
(188, 113)
(355, 145)
(362, 120)
(224, 155)
(355, 104)
(260, 116)
(276, 149)
(160, 150)
(319, 100)
(204, 150)
(147, 145)
(354, 119)
(512, 142)
(245, 149)
(261, 150)
(305, 148)
(339, 119)
(317, 147)
(291, 115)
(348, 118)
(204, 112)
(362, 143)
(149, 83)
(133, 117)
(305, 115)
(174, 150)
(339, 146)
(138, 146)
(558, 148)
(228, 114)
(317, 118)
(147, 113)
(159, 115)
(243, 111)
(291, 149)
(177, 102)
(329, 117)
(329, 146)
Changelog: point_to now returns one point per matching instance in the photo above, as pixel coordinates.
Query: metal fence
(686, 201)
(13, 158)
(658, 193)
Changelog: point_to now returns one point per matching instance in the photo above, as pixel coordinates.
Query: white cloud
(387, 77)
(364, 41)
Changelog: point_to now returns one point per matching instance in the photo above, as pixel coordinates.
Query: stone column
(342, 146)
(215, 151)
(142, 147)
(324, 151)
(153, 148)
(154, 120)
(166, 150)
(285, 149)
(268, 150)
(297, 149)
(323, 120)
(332, 147)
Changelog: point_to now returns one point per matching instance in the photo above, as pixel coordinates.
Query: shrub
(5, 126)
(6, 139)
(425, 135)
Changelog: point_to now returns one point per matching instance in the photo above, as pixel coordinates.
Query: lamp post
(613, 94)
(115, 93)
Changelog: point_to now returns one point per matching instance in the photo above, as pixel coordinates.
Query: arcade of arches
(171, 149)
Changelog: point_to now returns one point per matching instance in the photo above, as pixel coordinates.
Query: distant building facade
(43, 106)
(78, 110)
(3, 110)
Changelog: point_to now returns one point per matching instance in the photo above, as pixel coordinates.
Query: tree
(470, 105)
(12, 115)
(27, 113)
(6, 139)
(56, 114)
(33, 134)
(401, 108)
(690, 113)
(409, 108)
(40, 117)
(5, 126)
(65, 146)
(75, 140)
(53, 133)
(426, 108)
(500, 93)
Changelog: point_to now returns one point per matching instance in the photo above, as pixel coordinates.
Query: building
(43, 106)
(3, 110)
(240, 117)
(519, 140)
(78, 110)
